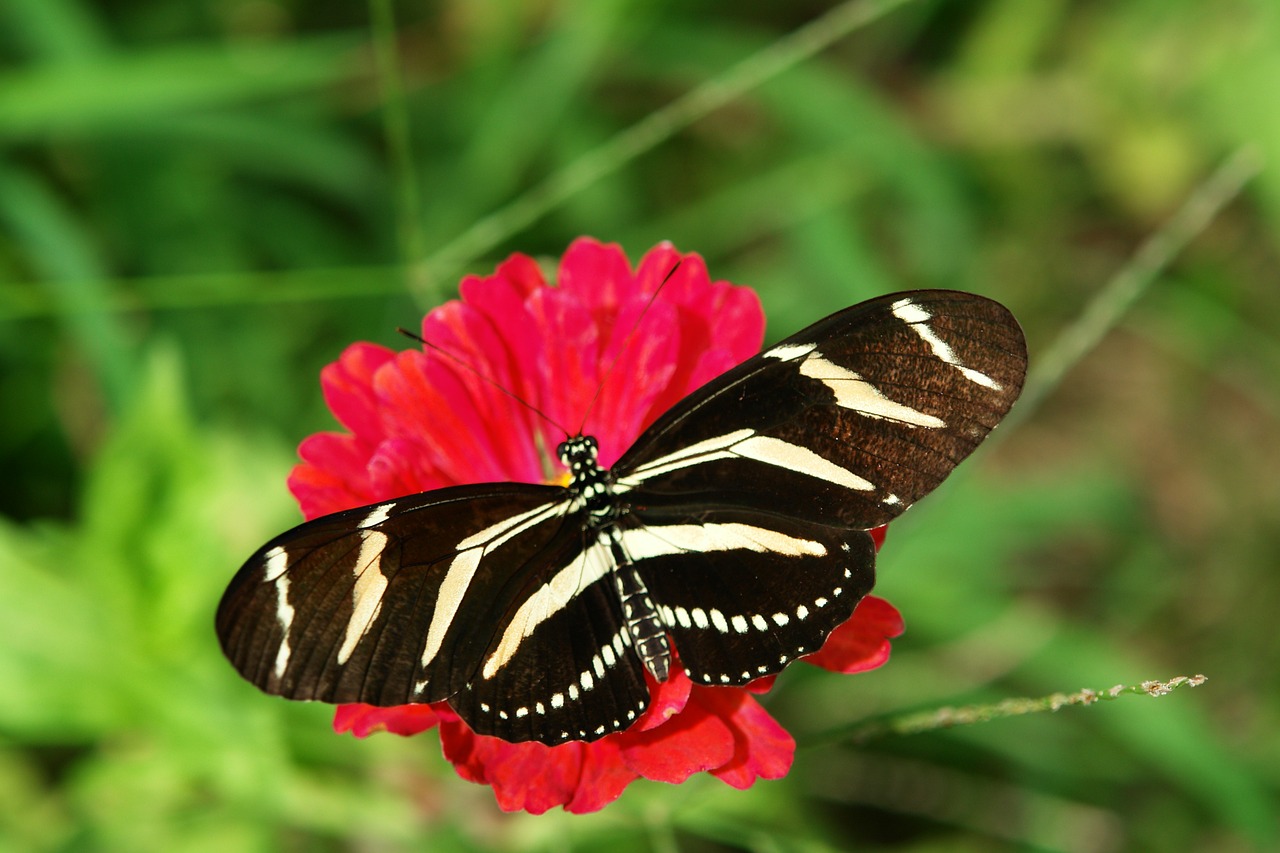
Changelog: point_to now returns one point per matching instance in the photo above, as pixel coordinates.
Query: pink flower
(416, 422)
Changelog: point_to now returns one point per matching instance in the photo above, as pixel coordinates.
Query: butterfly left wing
(493, 597)
(391, 603)
(563, 665)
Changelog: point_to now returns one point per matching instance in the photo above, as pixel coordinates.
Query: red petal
(364, 720)
(641, 373)
(666, 699)
(333, 475)
(604, 777)
(528, 777)
(502, 354)
(862, 643)
(596, 274)
(688, 743)
(762, 748)
(348, 388)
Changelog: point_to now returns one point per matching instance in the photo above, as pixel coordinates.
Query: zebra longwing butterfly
(731, 538)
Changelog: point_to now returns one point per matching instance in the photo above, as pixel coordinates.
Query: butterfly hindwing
(744, 593)
(562, 667)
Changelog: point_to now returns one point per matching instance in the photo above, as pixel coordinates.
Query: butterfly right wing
(847, 422)
(396, 602)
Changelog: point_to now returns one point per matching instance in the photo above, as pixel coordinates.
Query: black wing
(833, 431)
(493, 597)
(847, 422)
(744, 593)
(376, 604)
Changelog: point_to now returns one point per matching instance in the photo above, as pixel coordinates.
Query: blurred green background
(203, 201)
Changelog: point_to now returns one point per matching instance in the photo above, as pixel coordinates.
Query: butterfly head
(578, 454)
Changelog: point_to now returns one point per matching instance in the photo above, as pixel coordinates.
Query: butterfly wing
(847, 422)
(562, 667)
(744, 593)
(763, 483)
(396, 602)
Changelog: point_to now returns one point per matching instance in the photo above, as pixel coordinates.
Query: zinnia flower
(416, 421)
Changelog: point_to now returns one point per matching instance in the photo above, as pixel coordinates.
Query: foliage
(202, 203)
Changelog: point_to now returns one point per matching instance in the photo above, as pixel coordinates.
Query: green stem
(946, 717)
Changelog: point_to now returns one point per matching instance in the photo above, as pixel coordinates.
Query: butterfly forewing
(731, 538)
(847, 422)
(390, 603)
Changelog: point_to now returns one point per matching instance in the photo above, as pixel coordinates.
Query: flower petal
(529, 777)
(862, 643)
(596, 274)
(604, 777)
(348, 388)
(688, 743)
(762, 748)
(364, 720)
(333, 475)
(666, 699)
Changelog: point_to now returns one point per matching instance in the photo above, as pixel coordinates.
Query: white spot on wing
(744, 443)
(855, 393)
(366, 594)
(802, 460)
(789, 352)
(284, 615)
(660, 540)
(377, 515)
(918, 318)
(594, 563)
(707, 450)
(276, 562)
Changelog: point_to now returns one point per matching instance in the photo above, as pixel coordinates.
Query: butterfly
(729, 540)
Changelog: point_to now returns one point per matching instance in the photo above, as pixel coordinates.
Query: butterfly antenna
(489, 380)
(625, 343)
